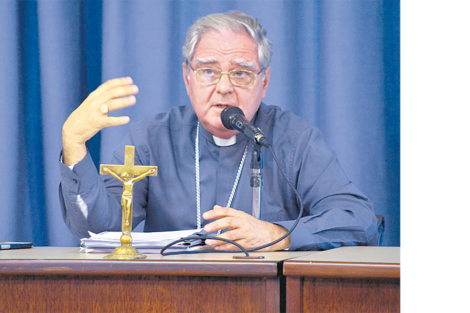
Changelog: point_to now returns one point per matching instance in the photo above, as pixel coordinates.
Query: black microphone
(234, 118)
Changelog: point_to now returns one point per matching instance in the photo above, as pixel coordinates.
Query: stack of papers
(145, 242)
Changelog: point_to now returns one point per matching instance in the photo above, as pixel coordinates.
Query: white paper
(146, 242)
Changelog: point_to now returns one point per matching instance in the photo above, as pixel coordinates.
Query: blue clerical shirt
(336, 212)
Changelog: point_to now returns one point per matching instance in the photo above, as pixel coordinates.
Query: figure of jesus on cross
(125, 173)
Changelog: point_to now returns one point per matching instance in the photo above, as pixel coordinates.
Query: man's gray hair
(234, 21)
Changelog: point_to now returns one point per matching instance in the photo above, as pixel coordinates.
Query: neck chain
(198, 189)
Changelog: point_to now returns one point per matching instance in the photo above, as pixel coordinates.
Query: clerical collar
(225, 142)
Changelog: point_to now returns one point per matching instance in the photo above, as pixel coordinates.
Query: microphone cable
(246, 251)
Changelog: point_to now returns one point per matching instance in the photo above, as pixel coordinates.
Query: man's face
(226, 51)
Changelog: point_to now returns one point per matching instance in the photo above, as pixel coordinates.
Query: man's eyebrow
(211, 61)
(204, 61)
(244, 63)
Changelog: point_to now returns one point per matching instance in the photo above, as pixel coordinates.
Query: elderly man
(203, 177)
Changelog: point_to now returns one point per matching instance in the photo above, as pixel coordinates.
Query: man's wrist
(284, 244)
(73, 154)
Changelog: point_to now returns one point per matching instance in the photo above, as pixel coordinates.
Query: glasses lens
(241, 78)
(207, 75)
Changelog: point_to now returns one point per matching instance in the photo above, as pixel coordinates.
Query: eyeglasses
(211, 76)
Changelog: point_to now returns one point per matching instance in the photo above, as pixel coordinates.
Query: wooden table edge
(149, 267)
(341, 269)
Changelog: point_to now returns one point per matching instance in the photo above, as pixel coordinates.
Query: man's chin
(220, 131)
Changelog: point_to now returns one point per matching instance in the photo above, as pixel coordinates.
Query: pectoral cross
(125, 173)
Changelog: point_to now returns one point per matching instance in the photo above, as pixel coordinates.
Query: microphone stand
(256, 180)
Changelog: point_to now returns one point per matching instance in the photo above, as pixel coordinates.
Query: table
(58, 279)
(348, 279)
(61, 279)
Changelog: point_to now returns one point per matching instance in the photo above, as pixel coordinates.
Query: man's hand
(92, 116)
(244, 229)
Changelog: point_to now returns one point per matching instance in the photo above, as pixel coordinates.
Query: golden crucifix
(125, 173)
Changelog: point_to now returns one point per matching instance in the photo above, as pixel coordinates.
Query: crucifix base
(125, 253)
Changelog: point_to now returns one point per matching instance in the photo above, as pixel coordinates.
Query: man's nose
(224, 85)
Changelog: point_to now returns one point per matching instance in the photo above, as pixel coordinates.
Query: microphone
(234, 118)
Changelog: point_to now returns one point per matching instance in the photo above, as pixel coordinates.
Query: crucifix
(125, 173)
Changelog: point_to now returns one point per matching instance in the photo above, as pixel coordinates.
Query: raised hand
(92, 116)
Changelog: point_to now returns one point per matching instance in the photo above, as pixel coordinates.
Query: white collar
(225, 142)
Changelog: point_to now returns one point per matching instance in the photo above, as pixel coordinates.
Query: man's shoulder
(275, 117)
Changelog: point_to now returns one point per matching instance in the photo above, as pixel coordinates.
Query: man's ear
(186, 77)
(267, 73)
